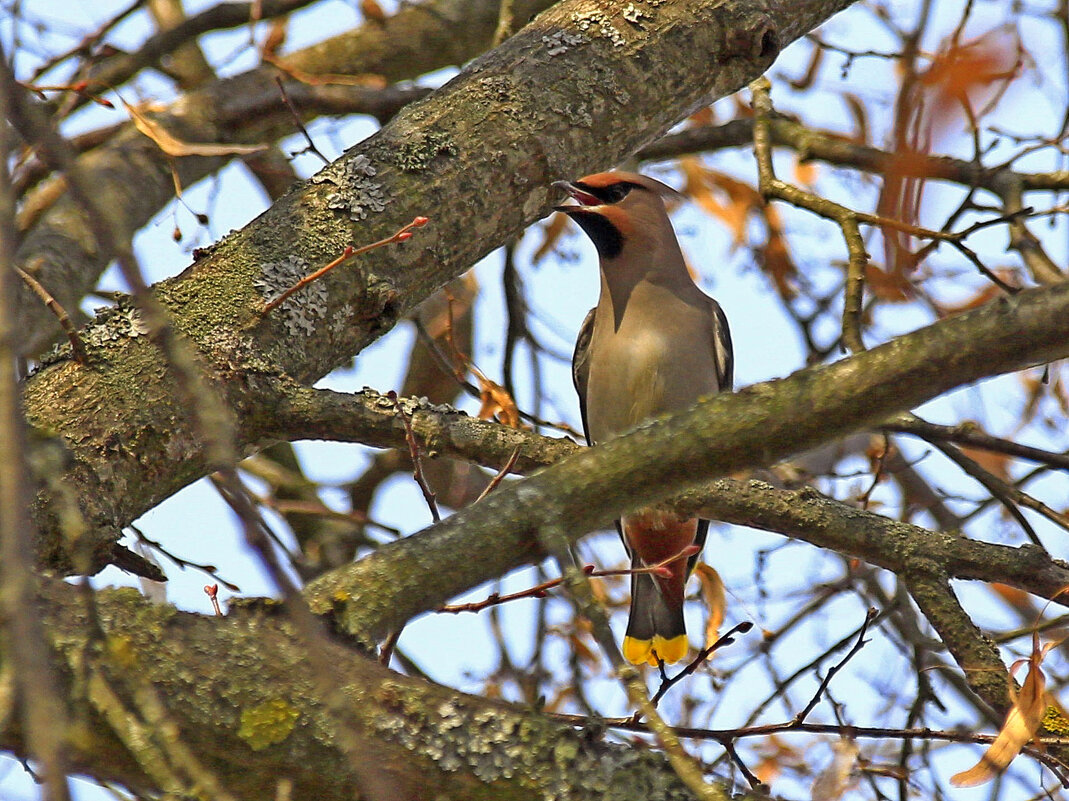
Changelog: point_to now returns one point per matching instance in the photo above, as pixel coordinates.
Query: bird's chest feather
(635, 374)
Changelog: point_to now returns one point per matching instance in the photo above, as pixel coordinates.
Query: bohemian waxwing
(655, 343)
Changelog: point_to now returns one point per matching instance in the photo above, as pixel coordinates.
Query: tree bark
(578, 89)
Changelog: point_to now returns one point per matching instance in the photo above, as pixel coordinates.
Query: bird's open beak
(581, 198)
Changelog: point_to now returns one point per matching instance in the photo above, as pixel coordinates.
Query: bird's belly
(635, 378)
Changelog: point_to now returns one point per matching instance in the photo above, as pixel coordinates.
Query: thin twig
(403, 233)
(386, 652)
(298, 121)
(504, 471)
(64, 319)
(869, 617)
(539, 590)
(727, 639)
(417, 461)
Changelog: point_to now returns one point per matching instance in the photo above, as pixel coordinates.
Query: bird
(655, 343)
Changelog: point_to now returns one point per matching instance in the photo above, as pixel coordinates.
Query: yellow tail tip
(672, 650)
(637, 651)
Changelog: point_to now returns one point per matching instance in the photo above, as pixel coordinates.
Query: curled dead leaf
(1021, 724)
(715, 600)
(173, 146)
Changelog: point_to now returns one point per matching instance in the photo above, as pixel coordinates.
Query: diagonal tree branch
(572, 72)
(755, 427)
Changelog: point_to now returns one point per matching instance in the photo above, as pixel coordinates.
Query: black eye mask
(613, 193)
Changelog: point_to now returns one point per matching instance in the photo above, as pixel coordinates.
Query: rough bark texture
(578, 89)
(240, 696)
(754, 427)
(133, 175)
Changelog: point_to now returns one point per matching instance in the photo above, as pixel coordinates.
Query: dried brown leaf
(173, 146)
(372, 10)
(276, 37)
(1021, 724)
(715, 599)
(889, 286)
(497, 403)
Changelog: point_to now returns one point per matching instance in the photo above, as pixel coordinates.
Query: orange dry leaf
(715, 600)
(706, 187)
(805, 172)
(372, 11)
(497, 403)
(775, 755)
(1021, 724)
(892, 287)
(998, 464)
(276, 37)
(173, 146)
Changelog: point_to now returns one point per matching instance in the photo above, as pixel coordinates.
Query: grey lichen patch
(417, 153)
(110, 326)
(358, 193)
(592, 20)
(502, 745)
(636, 15)
(577, 114)
(497, 88)
(560, 41)
(301, 309)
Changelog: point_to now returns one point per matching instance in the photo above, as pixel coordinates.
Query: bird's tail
(655, 629)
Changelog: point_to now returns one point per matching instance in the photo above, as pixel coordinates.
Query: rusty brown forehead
(600, 180)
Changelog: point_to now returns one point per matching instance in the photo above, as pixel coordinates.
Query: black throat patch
(605, 236)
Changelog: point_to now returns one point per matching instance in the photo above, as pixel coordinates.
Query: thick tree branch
(754, 427)
(134, 176)
(249, 715)
(637, 79)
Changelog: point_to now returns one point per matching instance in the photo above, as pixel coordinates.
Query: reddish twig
(64, 319)
(212, 591)
(211, 570)
(539, 590)
(405, 232)
(386, 652)
(504, 471)
(417, 462)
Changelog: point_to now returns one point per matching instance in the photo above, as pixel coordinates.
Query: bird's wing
(581, 367)
(722, 351)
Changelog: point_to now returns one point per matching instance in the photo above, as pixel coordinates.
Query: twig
(417, 461)
(539, 590)
(753, 781)
(504, 471)
(386, 652)
(64, 319)
(552, 539)
(298, 121)
(727, 639)
(210, 570)
(403, 233)
(869, 617)
(973, 436)
(857, 732)
(212, 591)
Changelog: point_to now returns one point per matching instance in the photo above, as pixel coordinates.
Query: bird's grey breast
(659, 359)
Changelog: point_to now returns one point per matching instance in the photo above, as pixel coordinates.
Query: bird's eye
(614, 193)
